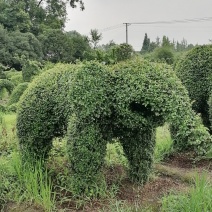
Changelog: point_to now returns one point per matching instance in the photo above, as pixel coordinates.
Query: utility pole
(126, 24)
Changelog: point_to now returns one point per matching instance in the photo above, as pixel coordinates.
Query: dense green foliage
(198, 198)
(34, 16)
(16, 45)
(176, 46)
(17, 78)
(4, 83)
(17, 92)
(97, 104)
(30, 69)
(146, 44)
(195, 72)
(45, 95)
(111, 53)
(164, 54)
(34, 30)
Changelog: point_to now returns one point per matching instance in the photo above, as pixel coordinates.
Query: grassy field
(27, 188)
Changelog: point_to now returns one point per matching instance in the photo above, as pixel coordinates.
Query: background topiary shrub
(164, 54)
(96, 105)
(8, 85)
(30, 69)
(17, 92)
(17, 78)
(10, 73)
(195, 72)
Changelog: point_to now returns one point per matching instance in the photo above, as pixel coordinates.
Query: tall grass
(198, 199)
(115, 155)
(35, 183)
(164, 144)
(24, 182)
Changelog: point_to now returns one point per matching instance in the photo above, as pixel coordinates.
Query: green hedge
(195, 72)
(96, 104)
(17, 92)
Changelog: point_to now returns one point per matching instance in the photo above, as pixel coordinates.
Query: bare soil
(188, 161)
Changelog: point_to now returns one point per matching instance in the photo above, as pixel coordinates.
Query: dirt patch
(128, 193)
(188, 161)
(150, 193)
(22, 207)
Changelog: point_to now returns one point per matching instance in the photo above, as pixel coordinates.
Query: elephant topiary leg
(87, 150)
(139, 149)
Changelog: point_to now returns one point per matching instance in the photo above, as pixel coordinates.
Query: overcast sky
(101, 15)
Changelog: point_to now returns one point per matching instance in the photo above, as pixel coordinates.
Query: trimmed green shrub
(14, 76)
(195, 72)
(4, 83)
(30, 69)
(122, 52)
(164, 54)
(10, 73)
(47, 96)
(17, 92)
(17, 78)
(93, 104)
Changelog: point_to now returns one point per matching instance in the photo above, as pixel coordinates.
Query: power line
(174, 21)
(157, 22)
(111, 27)
(182, 21)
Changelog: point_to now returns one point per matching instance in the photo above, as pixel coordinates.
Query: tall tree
(80, 45)
(146, 44)
(15, 46)
(35, 15)
(166, 42)
(56, 45)
(95, 37)
(14, 17)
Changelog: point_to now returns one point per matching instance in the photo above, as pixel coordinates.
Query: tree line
(34, 30)
(164, 49)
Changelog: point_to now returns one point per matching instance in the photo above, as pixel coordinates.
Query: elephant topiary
(92, 104)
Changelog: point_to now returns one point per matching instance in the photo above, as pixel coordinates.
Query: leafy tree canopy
(35, 15)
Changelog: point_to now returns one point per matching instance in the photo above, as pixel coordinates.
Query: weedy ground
(178, 181)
